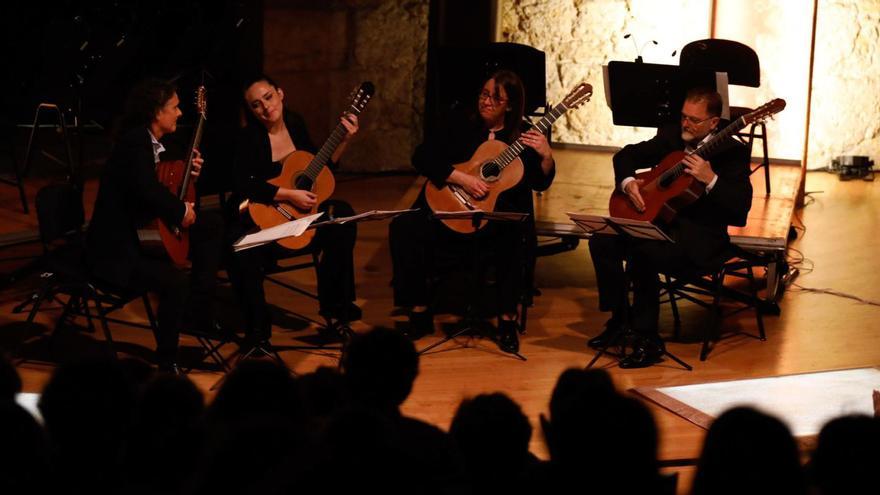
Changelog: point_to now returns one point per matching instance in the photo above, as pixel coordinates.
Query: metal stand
(625, 332)
(470, 323)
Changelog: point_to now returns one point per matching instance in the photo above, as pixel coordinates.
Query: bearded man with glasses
(699, 231)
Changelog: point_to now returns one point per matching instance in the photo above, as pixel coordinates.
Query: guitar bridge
(462, 197)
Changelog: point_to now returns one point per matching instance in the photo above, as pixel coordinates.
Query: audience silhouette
(747, 451)
(117, 427)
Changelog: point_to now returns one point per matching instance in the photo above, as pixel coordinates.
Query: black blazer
(253, 165)
(129, 197)
(456, 143)
(701, 227)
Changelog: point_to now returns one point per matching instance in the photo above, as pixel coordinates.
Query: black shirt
(457, 142)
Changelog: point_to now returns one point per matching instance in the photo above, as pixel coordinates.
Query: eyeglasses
(497, 100)
(694, 120)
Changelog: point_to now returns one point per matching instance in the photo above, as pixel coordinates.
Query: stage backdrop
(580, 36)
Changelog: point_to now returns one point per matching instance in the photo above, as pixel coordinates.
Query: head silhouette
(380, 367)
(747, 451)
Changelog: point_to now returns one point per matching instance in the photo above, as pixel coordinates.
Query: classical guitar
(302, 170)
(666, 188)
(177, 177)
(498, 165)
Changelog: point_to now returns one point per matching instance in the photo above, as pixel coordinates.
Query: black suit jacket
(129, 197)
(701, 227)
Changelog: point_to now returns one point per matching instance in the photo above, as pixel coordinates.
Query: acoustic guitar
(302, 170)
(498, 165)
(177, 177)
(667, 188)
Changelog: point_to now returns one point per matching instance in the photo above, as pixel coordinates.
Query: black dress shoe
(334, 331)
(344, 313)
(169, 367)
(644, 354)
(508, 341)
(604, 339)
(421, 323)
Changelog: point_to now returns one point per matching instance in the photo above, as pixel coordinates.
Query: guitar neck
(197, 139)
(323, 156)
(543, 125)
(711, 146)
(706, 149)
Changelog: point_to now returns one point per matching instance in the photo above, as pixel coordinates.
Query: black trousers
(422, 247)
(334, 246)
(647, 259)
(183, 296)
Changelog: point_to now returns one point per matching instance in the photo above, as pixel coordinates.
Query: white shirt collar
(157, 146)
(690, 148)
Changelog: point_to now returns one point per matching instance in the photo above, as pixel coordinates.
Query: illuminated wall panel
(845, 116)
(580, 36)
(780, 32)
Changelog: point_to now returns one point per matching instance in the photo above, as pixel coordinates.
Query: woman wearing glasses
(420, 244)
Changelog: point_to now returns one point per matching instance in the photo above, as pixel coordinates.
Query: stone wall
(845, 110)
(579, 36)
(319, 51)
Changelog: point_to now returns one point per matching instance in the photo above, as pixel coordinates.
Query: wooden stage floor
(814, 332)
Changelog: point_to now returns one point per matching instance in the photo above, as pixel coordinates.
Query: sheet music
(488, 215)
(639, 229)
(367, 215)
(293, 228)
(592, 224)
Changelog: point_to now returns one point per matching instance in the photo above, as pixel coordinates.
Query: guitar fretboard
(187, 173)
(514, 150)
(705, 150)
(323, 156)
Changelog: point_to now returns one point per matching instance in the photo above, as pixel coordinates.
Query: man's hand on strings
(198, 161)
(700, 169)
(635, 196)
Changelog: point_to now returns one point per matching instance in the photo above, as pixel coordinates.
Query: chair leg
(713, 329)
(673, 304)
(148, 308)
(104, 326)
(16, 173)
(73, 300)
(38, 297)
(758, 316)
(766, 162)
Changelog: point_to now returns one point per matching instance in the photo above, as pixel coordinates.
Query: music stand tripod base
(476, 217)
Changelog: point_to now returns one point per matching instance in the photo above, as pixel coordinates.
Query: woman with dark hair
(416, 237)
(271, 134)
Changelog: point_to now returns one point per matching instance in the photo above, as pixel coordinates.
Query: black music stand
(470, 322)
(343, 328)
(635, 229)
(650, 95)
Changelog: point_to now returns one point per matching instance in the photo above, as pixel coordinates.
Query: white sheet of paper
(293, 228)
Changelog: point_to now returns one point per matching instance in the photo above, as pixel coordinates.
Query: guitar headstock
(765, 111)
(579, 95)
(201, 101)
(361, 96)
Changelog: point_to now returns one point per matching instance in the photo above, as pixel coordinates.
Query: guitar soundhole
(304, 183)
(490, 171)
